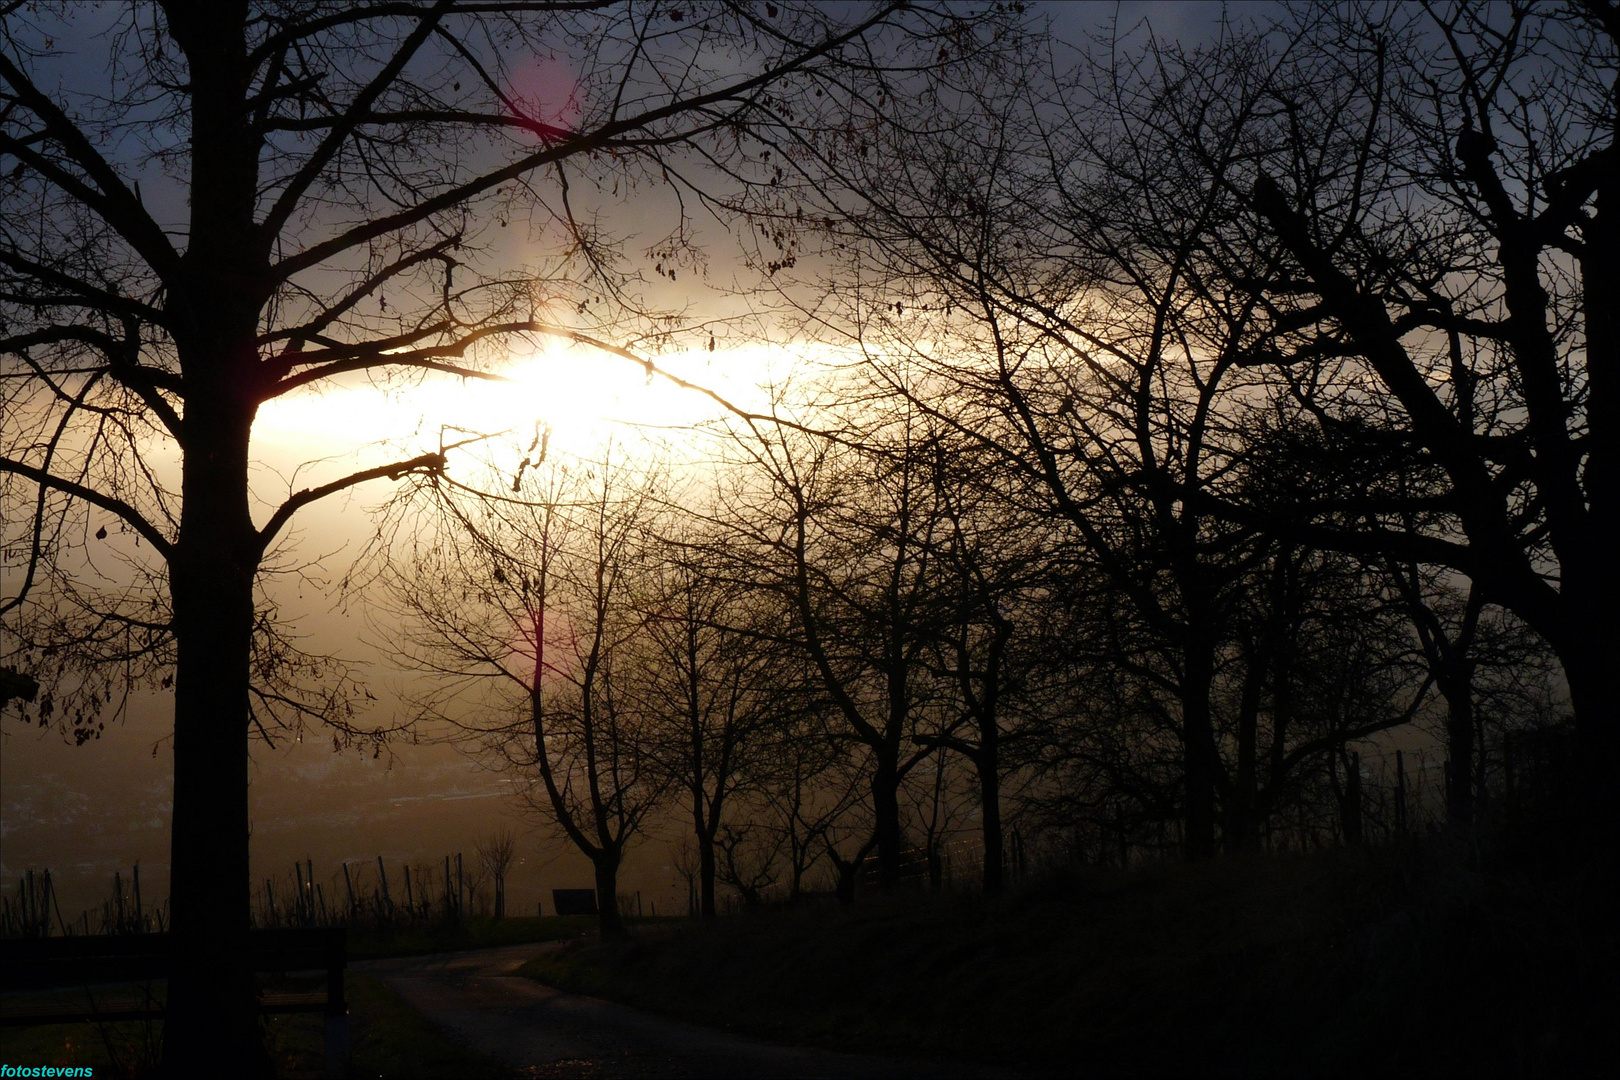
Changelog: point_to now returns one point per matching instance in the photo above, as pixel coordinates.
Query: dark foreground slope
(1337, 964)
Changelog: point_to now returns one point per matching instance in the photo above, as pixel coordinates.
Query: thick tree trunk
(1350, 810)
(1457, 687)
(848, 876)
(1241, 831)
(886, 817)
(995, 869)
(1199, 757)
(1594, 687)
(609, 923)
(211, 1018)
(706, 871)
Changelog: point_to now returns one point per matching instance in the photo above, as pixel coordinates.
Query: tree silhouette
(528, 614)
(1391, 229)
(714, 683)
(496, 854)
(841, 532)
(1448, 235)
(325, 189)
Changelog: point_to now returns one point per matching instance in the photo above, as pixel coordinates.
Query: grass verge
(111, 1050)
(388, 1041)
(388, 1038)
(393, 1042)
(1339, 964)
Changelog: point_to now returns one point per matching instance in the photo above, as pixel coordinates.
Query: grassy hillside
(1334, 964)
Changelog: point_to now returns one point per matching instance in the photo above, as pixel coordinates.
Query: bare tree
(842, 534)
(715, 680)
(992, 554)
(808, 792)
(496, 854)
(685, 864)
(749, 861)
(1383, 222)
(1068, 325)
(529, 615)
(1443, 193)
(324, 193)
(937, 803)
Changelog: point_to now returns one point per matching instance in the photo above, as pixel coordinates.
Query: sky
(86, 812)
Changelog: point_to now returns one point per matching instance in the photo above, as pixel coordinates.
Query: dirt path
(478, 997)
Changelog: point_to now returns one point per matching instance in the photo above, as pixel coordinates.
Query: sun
(581, 395)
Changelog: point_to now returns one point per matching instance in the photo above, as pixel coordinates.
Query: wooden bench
(102, 968)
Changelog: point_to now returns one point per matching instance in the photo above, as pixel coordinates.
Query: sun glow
(581, 395)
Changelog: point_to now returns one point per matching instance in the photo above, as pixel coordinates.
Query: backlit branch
(599, 139)
(113, 203)
(119, 507)
(429, 463)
